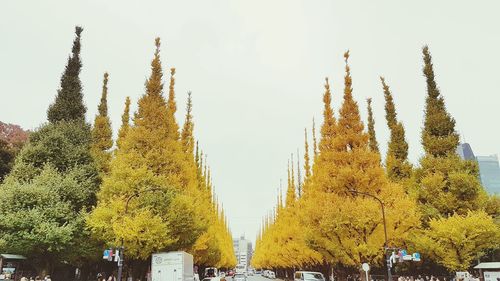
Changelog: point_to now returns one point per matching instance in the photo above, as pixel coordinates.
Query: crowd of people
(421, 278)
(435, 278)
(411, 278)
(102, 277)
(37, 278)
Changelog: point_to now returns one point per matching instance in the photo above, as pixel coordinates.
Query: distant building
(489, 169)
(490, 173)
(465, 151)
(243, 251)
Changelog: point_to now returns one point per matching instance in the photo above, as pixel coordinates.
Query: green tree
(445, 184)
(396, 162)
(42, 218)
(439, 137)
(450, 196)
(102, 136)
(55, 163)
(6, 158)
(372, 141)
(68, 105)
(60, 152)
(64, 145)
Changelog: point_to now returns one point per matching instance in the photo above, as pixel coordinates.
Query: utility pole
(386, 246)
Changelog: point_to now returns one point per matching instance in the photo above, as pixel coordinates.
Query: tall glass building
(489, 169)
(490, 173)
(465, 151)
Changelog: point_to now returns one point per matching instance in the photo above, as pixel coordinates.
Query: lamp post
(120, 255)
(386, 246)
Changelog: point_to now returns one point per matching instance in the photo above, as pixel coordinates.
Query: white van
(308, 276)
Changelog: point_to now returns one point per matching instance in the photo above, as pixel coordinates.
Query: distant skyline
(256, 70)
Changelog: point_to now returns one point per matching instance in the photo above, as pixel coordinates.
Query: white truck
(172, 266)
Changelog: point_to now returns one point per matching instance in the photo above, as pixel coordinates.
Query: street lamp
(135, 194)
(386, 246)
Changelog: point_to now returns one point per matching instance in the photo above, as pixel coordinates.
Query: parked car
(258, 272)
(308, 276)
(271, 275)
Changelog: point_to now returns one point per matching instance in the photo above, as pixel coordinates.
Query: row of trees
(437, 208)
(72, 193)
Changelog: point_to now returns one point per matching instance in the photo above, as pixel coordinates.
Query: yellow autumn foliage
(330, 223)
(156, 196)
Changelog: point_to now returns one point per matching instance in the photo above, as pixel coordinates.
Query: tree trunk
(43, 269)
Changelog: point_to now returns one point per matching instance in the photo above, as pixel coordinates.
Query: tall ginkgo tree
(144, 201)
(347, 227)
(450, 195)
(102, 136)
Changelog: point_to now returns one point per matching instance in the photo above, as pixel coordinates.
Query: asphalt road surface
(258, 277)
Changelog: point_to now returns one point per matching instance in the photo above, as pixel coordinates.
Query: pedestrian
(24, 279)
(47, 278)
(38, 278)
(112, 277)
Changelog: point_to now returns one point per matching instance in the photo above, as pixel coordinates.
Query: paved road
(258, 277)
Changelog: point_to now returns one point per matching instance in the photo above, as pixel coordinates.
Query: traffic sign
(407, 257)
(105, 255)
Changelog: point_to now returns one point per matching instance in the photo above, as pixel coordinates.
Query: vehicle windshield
(313, 276)
(210, 272)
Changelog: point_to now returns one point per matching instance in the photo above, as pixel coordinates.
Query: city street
(258, 277)
(190, 140)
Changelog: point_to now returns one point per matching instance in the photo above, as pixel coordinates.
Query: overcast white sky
(256, 70)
